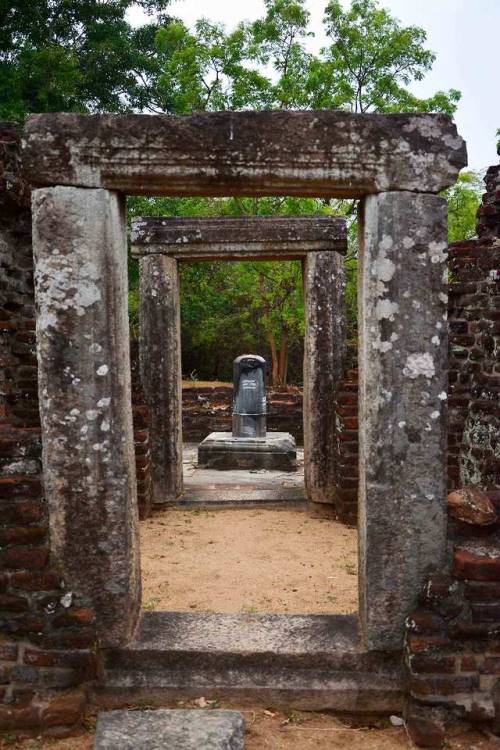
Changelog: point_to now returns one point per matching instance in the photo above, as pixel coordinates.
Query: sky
(464, 35)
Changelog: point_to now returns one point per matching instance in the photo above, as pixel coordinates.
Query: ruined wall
(47, 642)
(208, 409)
(474, 369)
(474, 319)
(453, 640)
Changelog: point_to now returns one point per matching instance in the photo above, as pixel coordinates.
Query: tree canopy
(77, 56)
(85, 56)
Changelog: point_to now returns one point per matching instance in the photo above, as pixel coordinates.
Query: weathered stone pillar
(324, 352)
(160, 345)
(403, 385)
(80, 251)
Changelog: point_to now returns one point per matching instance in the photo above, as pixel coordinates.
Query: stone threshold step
(235, 497)
(314, 661)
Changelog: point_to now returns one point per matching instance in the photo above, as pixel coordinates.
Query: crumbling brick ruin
(66, 638)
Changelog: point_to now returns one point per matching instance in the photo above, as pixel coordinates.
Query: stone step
(226, 497)
(307, 661)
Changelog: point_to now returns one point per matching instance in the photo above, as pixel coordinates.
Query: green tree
(371, 62)
(63, 55)
(464, 198)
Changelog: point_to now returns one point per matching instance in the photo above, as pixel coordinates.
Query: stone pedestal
(275, 452)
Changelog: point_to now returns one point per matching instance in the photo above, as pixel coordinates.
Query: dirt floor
(248, 560)
(267, 729)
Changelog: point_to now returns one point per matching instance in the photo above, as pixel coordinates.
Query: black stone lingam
(249, 446)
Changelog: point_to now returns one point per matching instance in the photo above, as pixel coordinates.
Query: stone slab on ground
(220, 450)
(170, 729)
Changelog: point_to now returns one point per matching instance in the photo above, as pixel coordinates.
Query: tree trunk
(274, 359)
(283, 359)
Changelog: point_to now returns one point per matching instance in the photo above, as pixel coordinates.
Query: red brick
(82, 639)
(11, 603)
(24, 557)
(443, 686)
(486, 612)
(64, 709)
(424, 621)
(8, 651)
(491, 665)
(19, 486)
(419, 643)
(432, 664)
(476, 566)
(22, 512)
(35, 580)
(19, 717)
(72, 615)
(468, 664)
(83, 660)
(22, 535)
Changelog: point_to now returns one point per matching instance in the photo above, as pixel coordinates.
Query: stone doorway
(319, 243)
(397, 164)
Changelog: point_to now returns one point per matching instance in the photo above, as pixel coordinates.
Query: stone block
(275, 452)
(160, 355)
(238, 237)
(323, 153)
(80, 250)
(324, 355)
(173, 729)
(403, 396)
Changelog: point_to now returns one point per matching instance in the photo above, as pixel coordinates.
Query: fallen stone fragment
(426, 726)
(170, 729)
(472, 505)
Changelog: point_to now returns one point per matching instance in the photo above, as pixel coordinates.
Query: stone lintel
(241, 237)
(324, 354)
(310, 153)
(403, 357)
(80, 248)
(160, 355)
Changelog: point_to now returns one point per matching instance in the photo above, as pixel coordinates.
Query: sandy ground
(267, 729)
(248, 560)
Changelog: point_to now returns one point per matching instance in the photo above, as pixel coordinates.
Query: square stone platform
(220, 450)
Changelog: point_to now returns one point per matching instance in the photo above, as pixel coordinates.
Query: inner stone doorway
(319, 242)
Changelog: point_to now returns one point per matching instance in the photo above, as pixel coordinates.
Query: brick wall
(208, 409)
(475, 311)
(346, 449)
(453, 639)
(141, 418)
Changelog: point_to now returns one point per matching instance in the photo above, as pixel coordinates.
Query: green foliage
(63, 55)
(372, 60)
(84, 56)
(464, 198)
